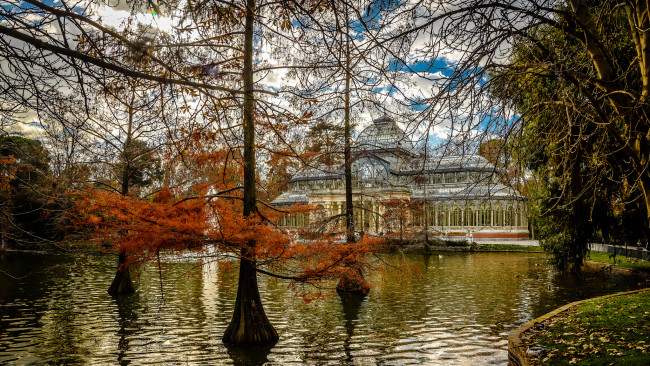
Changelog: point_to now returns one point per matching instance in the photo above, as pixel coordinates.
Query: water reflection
(249, 355)
(449, 308)
(351, 304)
(127, 309)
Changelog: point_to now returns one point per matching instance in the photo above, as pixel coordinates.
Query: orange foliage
(176, 224)
(139, 227)
(211, 218)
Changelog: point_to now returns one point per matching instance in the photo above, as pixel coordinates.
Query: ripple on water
(459, 315)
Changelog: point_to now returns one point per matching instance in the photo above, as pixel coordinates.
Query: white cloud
(24, 129)
(116, 17)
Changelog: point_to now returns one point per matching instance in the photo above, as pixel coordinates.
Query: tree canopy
(579, 81)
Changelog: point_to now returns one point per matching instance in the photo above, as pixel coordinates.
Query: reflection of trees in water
(63, 337)
(567, 286)
(127, 306)
(226, 287)
(351, 305)
(64, 298)
(187, 303)
(426, 261)
(250, 355)
(55, 285)
(453, 291)
(12, 271)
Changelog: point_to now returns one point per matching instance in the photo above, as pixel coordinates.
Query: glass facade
(396, 189)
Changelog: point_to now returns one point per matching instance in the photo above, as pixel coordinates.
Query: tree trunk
(350, 282)
(646, 204)
(353, 283)
(249, 324)
(347, 154)
(122, 283)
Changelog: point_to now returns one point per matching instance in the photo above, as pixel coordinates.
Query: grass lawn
(621, 261)
(612, 331)
(510, 247)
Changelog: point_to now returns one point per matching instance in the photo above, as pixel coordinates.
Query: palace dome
(383, 134)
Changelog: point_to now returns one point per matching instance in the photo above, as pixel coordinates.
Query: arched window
(450, 177)
(484, 214)
(510, 216)
(431, 212)
(470, 217)
(523, 218)
(498, 216)
(517, 216)
(442, 214)
(417, 215)
(456, 217)
(367, 216)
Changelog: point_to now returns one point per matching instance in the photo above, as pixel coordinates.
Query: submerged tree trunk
(122, 283)
(353, 282)
(249, 324)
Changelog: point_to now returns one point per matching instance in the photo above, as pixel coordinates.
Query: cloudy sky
(420, 79)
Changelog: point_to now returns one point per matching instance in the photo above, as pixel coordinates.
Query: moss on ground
(611, 331)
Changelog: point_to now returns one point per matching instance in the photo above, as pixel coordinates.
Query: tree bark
(351, 282)
(249, 324)
(122, 283)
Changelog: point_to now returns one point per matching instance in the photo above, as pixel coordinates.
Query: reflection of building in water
(396, 190)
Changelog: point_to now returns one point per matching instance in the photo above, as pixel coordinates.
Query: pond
(449, 308)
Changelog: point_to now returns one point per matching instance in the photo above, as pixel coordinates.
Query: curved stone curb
(516, 352)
